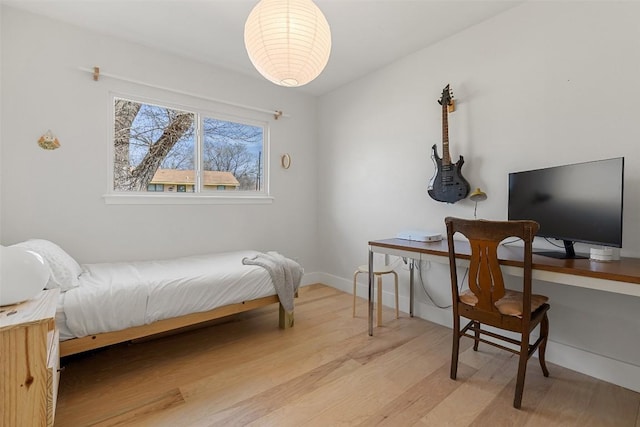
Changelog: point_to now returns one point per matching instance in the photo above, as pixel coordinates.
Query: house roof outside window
(187, 177)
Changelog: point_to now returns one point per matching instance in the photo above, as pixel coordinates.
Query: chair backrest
(485, 275)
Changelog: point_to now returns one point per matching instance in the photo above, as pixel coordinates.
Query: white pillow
(64, 269)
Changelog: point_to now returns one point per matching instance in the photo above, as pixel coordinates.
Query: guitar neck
(446, 157)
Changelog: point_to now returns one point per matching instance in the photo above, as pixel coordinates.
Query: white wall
(543, 84)
(1, 96)
(58, 194)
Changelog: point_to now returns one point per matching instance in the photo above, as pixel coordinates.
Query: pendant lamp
(288, 41)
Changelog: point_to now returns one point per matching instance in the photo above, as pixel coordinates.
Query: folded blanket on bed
(285, 273)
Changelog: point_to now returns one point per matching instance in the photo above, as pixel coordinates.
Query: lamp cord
(428, 295)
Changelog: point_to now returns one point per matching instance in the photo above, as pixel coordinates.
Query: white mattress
(115, 296)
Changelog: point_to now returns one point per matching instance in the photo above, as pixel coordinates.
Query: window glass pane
(152, 145)
(155, 187)
(232, 156)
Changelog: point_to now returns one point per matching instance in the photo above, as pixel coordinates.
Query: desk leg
(379, 301)
(411, 268)
(370, 292)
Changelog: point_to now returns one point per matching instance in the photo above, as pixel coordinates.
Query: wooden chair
(488, 302)
(378, 272)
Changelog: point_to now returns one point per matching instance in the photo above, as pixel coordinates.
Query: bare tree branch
(159, 132)
(125, 114)
(143, 173)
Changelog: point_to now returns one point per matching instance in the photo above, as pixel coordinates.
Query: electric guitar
(447, 184)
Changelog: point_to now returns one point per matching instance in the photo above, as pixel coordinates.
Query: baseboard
(312, 278)
(604, 368)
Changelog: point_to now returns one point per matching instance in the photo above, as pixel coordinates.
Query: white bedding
(61, 320)
(115, 296)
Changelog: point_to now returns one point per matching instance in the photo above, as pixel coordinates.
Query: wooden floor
(325, 371)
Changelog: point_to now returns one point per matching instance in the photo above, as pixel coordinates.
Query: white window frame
(165, 198)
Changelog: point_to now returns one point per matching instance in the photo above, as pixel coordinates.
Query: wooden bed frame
(91, 342)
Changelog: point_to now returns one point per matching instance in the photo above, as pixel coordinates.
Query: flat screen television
(579, 202)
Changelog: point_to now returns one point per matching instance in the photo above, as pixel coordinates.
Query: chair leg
(379, 311)
(544, 332)
(455, 348)
(522, 369)
(395, 278)
(476, 326)
(355, 276)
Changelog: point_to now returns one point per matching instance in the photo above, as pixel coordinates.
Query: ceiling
(366, 34)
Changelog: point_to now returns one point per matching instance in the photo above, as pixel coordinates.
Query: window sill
(185, 199)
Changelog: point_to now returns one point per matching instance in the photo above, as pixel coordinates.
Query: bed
(107, 303)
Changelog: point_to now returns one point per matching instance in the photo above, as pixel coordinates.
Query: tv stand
(560, 255)
(569, 252)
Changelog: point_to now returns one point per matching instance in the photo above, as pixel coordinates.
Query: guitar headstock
(447, 96)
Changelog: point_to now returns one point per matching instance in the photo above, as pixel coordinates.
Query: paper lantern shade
(288, 41)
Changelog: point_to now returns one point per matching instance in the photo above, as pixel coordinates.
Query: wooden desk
(622, 277)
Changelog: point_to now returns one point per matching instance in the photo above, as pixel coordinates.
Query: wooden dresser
(29, 361)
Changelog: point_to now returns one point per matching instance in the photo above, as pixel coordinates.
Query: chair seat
(510, 304)
(377, 269)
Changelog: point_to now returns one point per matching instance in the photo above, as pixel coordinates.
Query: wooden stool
(377, 273)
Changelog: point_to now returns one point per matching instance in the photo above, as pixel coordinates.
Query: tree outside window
(158, 148)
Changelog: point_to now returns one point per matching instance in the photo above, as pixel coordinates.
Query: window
(155, 187)
(160, 148)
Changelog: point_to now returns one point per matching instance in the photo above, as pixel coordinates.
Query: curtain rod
(97, 73)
